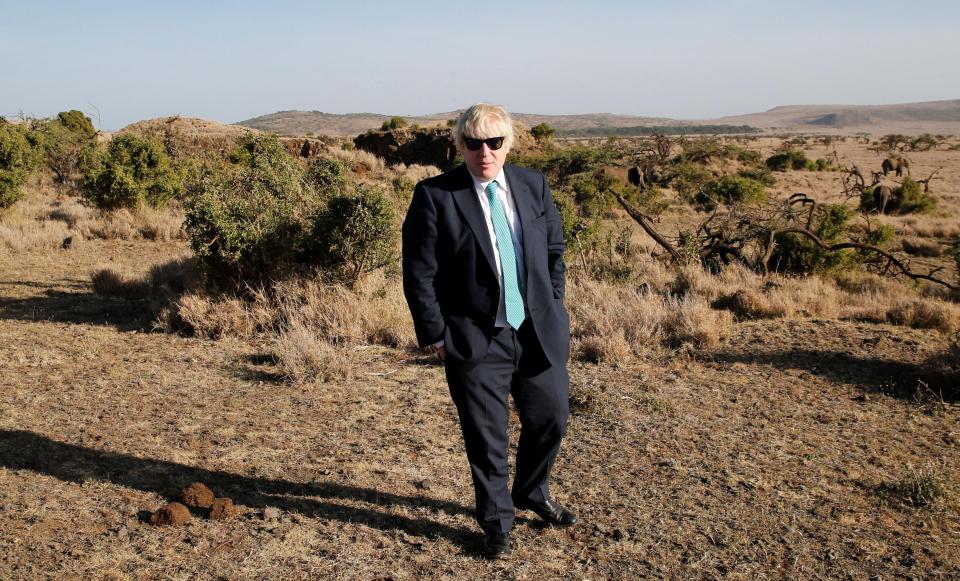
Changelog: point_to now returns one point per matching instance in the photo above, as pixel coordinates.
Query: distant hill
(590, 124)
(909, 118)
(941, 117)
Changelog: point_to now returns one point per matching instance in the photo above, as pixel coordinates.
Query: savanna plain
(727, 421)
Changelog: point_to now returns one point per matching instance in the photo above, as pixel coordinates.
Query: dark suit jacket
(449, 275)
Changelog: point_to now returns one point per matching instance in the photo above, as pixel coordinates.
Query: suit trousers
(513, 365)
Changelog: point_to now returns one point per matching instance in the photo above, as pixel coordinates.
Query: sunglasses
(474, 144)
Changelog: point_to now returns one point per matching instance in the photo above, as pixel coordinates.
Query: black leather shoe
(496, 545)
(552, 512)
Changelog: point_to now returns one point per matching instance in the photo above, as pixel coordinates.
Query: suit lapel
(469, 205)
(523, 199)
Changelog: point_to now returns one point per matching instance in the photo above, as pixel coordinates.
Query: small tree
(69, 145)
(910, 198)
(543, 132)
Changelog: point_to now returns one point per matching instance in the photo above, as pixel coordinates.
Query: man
(483, 275)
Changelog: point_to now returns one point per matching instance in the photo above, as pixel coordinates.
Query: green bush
(395, 122)
(732, 190)
(796, 254)
(748, 156)
(760, 174)
(328, 176)
(790, 159)
(592, 192)
(561, 165)
(357, 233)
(250, 221)
(910, 198)
(18, 159)
(689, 180)
(130, 172)
(821, 164)
(579, 229)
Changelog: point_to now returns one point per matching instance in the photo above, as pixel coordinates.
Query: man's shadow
(23, 450)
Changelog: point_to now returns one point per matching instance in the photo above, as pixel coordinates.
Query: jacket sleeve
(420, 267)
(555, 242)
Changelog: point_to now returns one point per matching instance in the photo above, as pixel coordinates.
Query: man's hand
(441, 352)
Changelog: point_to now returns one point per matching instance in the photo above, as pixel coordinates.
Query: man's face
(485, 163)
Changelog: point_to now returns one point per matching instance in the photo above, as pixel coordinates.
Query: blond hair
(483, 121)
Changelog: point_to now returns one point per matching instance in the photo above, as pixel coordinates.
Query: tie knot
(492, 188)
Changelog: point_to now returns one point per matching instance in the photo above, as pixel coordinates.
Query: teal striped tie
(512, 297)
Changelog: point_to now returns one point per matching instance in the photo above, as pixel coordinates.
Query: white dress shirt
(510, 210)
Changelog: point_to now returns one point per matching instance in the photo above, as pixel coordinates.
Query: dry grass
(609, 322)
(218, 316)
(919, 247)
(44, 220)
(370, 169)
(925, 314)
(308, 358)
(110, 282)
(142, 222)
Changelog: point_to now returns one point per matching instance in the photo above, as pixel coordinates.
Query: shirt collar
(500, 179)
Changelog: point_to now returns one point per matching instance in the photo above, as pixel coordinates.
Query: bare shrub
(611, 322)
(746, 304)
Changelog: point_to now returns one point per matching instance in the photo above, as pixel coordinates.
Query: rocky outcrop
(410, 145)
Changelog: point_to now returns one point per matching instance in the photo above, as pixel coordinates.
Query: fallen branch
(647, 225)
(891, 259)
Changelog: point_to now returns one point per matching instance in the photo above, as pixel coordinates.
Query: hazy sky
(684, 59)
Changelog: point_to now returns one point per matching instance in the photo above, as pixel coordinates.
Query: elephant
(881, 197)
(897, 164)
(635, 176)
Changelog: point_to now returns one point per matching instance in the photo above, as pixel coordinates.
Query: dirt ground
(784, 452)
(778, 454)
